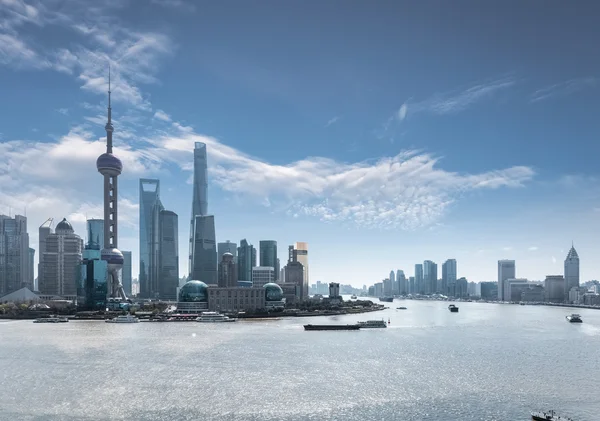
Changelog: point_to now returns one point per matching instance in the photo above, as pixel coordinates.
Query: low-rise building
(513, 289)
(533, 293)
(554, 286)
(576, 295)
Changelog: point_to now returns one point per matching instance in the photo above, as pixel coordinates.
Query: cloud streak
(565, 88)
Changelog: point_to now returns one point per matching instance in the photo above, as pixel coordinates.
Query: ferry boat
(574, 318)
(386, 299)
(332, 327)
(371, 324)
(51, 319)
(547, 416)
(353, 297)
(127, 318)
(453, 308)
(401, 308)
(213, 317)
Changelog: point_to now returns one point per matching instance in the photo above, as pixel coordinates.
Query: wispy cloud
(63, 111)
(15, 52)
(532, 248)
(564, 88)
(161, 115)
(507, 248)
(332, 121)
(186, 6)
(402, 112)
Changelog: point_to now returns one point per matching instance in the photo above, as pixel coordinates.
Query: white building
(262, 275)
(571, 272)
(506, 270)
(576, 295)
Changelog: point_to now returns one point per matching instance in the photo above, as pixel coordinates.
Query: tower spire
(109, 127)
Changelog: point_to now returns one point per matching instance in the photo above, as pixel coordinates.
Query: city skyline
(426, 161)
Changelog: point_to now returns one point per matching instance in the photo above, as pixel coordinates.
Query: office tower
(506, 270)
(262, 275)
(150, 208)
(204, 250)
(430, 277)
(226, 247)
(200, 185)
(294, 274)
(449, 278)
(554, 287)
(92, 288)
(95, 233)
(419, 287)
(228, 276)
(394, 283)
(301, 252)
(168, 254)
(127, 274)
(61, 261)
(387, 287)
(111, 167)
(402, 282)
(411, 285)
(43, 232)
(462, 286)
(31, 281)
(14, 254)
(268, 255)
(246, 260)
(571, 271)
(489, 290)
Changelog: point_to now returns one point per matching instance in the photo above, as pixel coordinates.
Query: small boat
(127, 318)
(574, 318)
(547, 416)
(453, 308)
(401, 308)
(51, 319)
(353, 297)
(371, 324)
(213, 317)
(386, 299)
(332, 327)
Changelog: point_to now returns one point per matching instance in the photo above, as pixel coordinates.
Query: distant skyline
(394, 133)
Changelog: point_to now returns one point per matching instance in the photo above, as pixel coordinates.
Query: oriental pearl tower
(110, 167)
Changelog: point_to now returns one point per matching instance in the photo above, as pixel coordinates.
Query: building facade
(31, 281)
(228, 277)
(268, 255)
(236, 299)
(571, 272)
(262, 275)
(513, 289)
(294, 274)
(430, 277)
(203, 255)
(43, 232)
(554, 288)
(301, 252)
(506, 270)
(227, 247)
(246, 260)
(489, 290)
(62, 260)
(168, 258)
(150, 207)
(127, 274)
(449, 278)
(14, 254)
(419, 287)
(92, 286)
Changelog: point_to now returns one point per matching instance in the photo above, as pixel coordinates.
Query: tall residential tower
(506, 270)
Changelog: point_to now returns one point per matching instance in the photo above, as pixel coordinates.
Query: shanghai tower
(110, 167)
(203, 245)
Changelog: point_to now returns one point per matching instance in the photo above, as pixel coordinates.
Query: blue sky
(382, 134)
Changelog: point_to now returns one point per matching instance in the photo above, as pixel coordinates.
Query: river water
(488, 362)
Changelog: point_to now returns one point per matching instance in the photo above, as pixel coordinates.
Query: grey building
(226, 247)
(513, 289)
(14, 254)
(506, 270)
(127, 274)
(402, 282)
(461, 289)
(449, 278)
(387, 287)
(430, 276)
(246, 260)
(44, 231)
(392, 279)
(204, 250)
(168, 257)
(411, 285)
(301, 253)
(489, 290)
(262, 275)
(150, 208)
(571, 271)
(31, 281)
(419, 287)
(294, 274)
(554, 288)
(268, 255)
(62, 260)
(228, 277)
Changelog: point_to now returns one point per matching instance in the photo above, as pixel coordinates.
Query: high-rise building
(393, 282)
(411, 285)
(226, 247)
(204, 250)
(168, 254)
(489, 290)
(462, 286)
(150, 208)
(571, 271)
(294, 274)
(127, 274)
(506, 270)
(31, 281)
(200, 185)
(111, 167)
(268, 255)
(14, 254)
(262, 275)
(301, 252)
(95, 233)
(449, 278)
(44, 231)
(62, 259)
(419, 287)
(387, 287)
(554, 288)
(430, 276)
(402, 282)
(92, 288)
(246, 260)
(228, 277)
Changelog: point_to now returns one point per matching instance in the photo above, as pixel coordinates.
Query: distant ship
(386, 299)
(547, 416)
(353, 297)
(401, 308)
(453, 308)
(51, 319)
(370, 324)
(331, 327)
(574, 318)
(128, 318)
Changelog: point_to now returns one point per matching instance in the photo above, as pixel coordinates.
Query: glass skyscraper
(127, 274)
(168, 262)
(430, 276)
(419, 287)
(246, 260)
(150, 207)
(14, 254)
(268, 255)
(95, 234)
(226, 247)
(92, 287)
